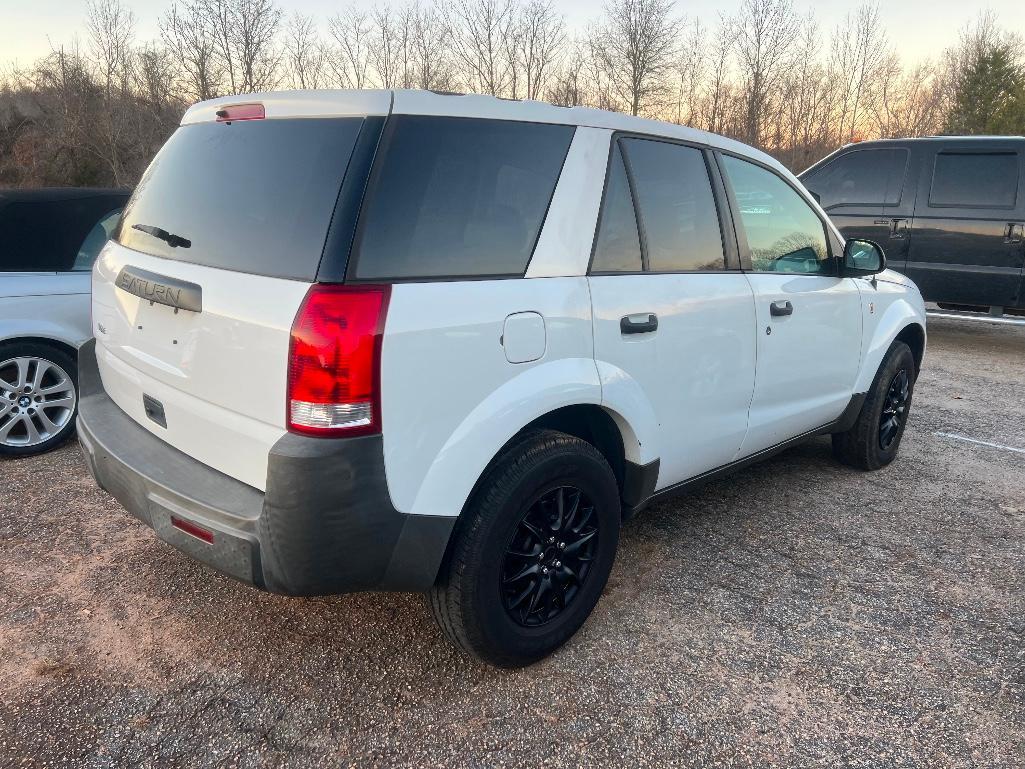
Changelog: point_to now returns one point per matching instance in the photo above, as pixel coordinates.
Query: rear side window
(862, 177)
(975, 180)
(676, 210)
(251, 196)
(458, 197)
(618, 246)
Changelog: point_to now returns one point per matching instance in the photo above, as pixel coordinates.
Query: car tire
(50, 427)
(501, 551)
(874, 439)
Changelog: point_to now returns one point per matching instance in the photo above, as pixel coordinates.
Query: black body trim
(342, 232)
(638, 485)
(325, 524)
(841, 424)
(162, 289)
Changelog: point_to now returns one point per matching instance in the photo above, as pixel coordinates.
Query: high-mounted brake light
(241, 112)
(334, 361)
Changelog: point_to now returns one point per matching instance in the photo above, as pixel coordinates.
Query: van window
(863, 177)
(251, 196)
(784, 234)
(618, 247)
(676, 209)
(458, 197)
(975, 180)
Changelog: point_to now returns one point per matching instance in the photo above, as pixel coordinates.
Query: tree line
(94, 112)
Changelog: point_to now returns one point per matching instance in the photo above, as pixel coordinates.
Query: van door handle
(898, 228)
(778, 309)
(641, 323)
(1015, 232)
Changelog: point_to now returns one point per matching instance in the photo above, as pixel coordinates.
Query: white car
(400, 340)
(49, 239)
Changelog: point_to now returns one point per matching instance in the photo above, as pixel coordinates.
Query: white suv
(401, 340)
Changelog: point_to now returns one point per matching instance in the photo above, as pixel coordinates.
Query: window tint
(96, 240)
(862, 177)
(618, 247)
(45, 235)
(975, 180)
(783, 232)
(253, 196)
(676, 209)
(459, 197)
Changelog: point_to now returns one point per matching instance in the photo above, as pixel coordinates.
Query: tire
(869, 444)
(27, 425)
(499, 537)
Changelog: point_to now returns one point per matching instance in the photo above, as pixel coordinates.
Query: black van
(949, 211)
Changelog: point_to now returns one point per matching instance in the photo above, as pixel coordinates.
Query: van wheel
(38, 397)
(532, 553)
(873, 441)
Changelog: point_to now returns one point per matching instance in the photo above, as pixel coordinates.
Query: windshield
(251, 196)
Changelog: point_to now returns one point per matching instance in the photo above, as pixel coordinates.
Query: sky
(919, 29)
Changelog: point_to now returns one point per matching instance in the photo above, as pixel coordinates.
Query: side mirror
(862, 257)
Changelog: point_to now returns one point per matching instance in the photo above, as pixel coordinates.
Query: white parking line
(957, 437)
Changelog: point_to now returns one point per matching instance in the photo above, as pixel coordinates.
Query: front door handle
(641, 323)
(779, 309)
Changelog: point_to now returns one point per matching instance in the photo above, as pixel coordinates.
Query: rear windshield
(250, 196)
(458, 197)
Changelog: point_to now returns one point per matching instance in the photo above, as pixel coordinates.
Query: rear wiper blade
(174, 241)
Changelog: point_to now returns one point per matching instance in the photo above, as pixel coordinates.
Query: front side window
(618, 246)
(675, 207)
(458, 197)
(861, 178)
(96, 240)
(784, 234)
(975, 180)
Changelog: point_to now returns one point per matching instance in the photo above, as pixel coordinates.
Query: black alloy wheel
(549, 557)
(894, 409)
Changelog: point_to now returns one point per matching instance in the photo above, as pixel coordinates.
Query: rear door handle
(779, 309)
(641, 323)
(1015, 232)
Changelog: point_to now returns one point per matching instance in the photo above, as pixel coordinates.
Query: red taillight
(334, 361)
(241, 112)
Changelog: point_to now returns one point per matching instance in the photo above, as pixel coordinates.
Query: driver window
(783, 232)
(95, 241)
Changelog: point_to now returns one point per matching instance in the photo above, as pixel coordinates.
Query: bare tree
(718, 91)
(635, 47)
(186, 32)
(691, 71)
(541, 35)
(351, 62)
(907, 103)
(245, 32)
(304, 54)
(569, 83)
(765, 33)
(481, 33)
(856, 63)
(389, 47)
(430, 38)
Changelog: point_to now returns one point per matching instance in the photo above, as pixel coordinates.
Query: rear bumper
(325, 524)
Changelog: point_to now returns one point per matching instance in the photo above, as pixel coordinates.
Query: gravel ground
(797, 614)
